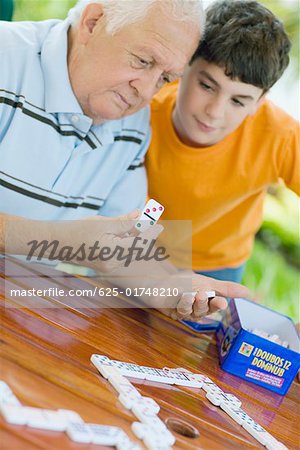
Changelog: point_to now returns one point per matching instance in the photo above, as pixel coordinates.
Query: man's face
(114, 76)
(210, 105)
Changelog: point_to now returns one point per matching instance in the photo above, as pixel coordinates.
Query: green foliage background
(273, 270)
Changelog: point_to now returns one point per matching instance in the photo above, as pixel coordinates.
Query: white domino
(210, 294)
(159, 375)
(108, 371)
(100, 360)
(143, 413)
(127, 445)
(129, 370)
(106, 435)
(128, 391)
(258, 432)
(47, 420)
(69, 416)
(79, 432)
(157, 424)
(142, 431)
(6, 395)
(120, 383)
(149, 403)
(15, 415)
(197, 379)
(218, 398)
(150, 215)
(237, 414)
(210, 386)
(187, 380)
(128, 400)
(156, 444)
(275, 445)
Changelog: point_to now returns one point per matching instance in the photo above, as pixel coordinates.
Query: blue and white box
(253, 357)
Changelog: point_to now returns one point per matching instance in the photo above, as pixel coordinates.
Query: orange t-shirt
(221, 188)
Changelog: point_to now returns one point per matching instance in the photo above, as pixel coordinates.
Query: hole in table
(182, 427)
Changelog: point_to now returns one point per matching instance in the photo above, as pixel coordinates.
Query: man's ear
(258, 104)
(92, 14)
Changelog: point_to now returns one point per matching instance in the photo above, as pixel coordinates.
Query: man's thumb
(124, 224)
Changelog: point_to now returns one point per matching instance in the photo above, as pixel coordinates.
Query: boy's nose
(215, 109)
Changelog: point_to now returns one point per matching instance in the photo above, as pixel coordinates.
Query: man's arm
(5, 221)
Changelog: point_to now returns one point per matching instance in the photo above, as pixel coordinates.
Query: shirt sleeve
(290, 164)
(131, 191)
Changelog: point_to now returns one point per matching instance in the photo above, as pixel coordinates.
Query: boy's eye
(166, 78)
(237, 102)
(205, 86)
(163, 80)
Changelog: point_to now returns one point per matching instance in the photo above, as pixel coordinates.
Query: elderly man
(74, 127)
(73, 118)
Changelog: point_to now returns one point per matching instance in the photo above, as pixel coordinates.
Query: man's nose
(147, 85)
(215, 108)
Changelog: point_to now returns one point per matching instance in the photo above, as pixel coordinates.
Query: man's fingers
(230, 289)
(124, 224)
(185, 305)
(216, 304)
(222, 288)
(152, 233)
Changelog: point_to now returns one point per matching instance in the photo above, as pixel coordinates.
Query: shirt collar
(59, 96)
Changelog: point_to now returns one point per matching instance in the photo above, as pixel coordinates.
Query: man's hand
(193, 307)
(100, 243)
(116, 234)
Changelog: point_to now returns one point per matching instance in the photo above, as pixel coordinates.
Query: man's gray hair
(120, 13)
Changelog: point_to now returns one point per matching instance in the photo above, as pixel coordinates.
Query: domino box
(253, 357)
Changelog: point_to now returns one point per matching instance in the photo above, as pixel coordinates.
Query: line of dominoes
(146, 409)
(62, 420)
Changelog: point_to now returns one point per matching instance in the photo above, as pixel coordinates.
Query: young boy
(218, 143)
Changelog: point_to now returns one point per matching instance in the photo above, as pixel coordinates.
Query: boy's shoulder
(271, 117)
(164, 97)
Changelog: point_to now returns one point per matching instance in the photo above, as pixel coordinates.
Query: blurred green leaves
(42, 9)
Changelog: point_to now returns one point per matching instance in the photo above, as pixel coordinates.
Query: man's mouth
(123, 101)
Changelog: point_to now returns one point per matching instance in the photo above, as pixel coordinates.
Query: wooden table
(45, 359)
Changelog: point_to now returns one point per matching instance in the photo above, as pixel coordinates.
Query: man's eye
(237, 102)
(140, 62)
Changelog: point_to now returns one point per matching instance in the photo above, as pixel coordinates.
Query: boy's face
(210, 105)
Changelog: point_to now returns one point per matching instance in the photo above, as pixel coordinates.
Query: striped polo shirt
(54, 163)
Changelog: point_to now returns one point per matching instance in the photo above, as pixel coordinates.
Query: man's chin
(98, 119)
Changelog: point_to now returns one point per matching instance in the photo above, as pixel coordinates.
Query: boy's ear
(90, 17)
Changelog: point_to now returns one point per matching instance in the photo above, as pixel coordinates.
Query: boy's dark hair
(247, 40)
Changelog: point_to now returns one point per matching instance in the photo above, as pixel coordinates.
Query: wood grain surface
(45, 359)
